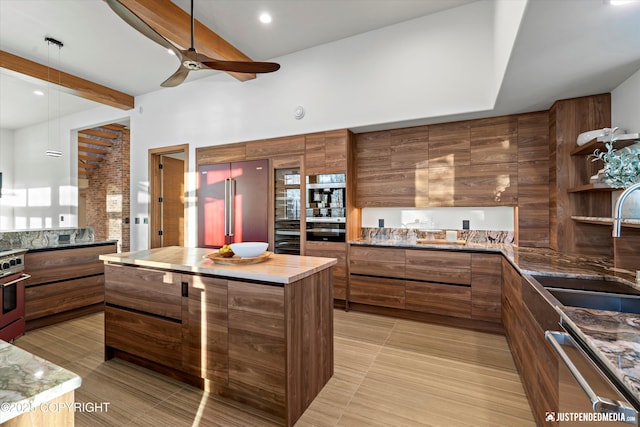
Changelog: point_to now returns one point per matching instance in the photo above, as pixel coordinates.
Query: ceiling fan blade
(136, 22)
(242, 66)
(177, 77)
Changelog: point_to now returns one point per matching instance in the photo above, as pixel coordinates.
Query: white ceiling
(564, 48)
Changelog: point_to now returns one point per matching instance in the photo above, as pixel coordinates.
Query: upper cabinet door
(326, 152)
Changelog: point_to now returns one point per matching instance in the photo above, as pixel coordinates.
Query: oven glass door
(12, 292)
(9, 298)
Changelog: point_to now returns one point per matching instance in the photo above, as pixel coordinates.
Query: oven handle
(600, 404)
(20, 279)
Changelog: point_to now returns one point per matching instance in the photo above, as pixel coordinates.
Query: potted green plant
(621, 167)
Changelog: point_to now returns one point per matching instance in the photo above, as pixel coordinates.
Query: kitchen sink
(584, 284)
(624, 303)
(597, 293)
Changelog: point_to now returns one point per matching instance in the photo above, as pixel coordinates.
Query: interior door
(211, 210)
(173, 201)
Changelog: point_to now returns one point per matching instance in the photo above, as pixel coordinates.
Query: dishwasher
(587, 396)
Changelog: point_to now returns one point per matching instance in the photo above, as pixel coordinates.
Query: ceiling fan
(190, 60)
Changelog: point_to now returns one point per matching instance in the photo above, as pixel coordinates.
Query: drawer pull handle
(599, 404)
(185, 289)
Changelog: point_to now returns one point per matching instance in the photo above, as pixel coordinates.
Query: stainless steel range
(12, 278)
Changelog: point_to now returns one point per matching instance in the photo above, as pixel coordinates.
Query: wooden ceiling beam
(87, 165)
(73, 84)
(174, 24)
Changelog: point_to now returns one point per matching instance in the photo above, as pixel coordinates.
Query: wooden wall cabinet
(64, 283)
(326, 152)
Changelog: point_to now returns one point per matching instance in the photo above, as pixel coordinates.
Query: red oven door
(12, 298)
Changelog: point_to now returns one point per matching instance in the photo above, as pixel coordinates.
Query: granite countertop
(29, 381)
(276, 269)
(614, 337)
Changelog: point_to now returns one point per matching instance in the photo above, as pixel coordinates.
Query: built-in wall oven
(325, 207)
(587, 397)
(12, 281)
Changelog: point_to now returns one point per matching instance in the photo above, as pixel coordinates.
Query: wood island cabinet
(262, 343)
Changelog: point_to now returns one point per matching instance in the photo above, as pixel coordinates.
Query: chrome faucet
(617, 219)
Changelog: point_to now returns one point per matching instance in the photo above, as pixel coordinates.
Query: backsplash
(43, 238)
(471, 236)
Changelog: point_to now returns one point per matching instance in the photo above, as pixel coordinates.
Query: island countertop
(29, 381)
(277, 268)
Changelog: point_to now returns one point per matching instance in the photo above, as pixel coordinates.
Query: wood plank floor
(388, 372)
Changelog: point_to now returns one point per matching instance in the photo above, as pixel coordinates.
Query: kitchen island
(260, 334)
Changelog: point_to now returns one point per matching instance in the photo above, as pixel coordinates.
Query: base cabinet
(64, 283)
(332, 250)
(456, 284)
(535, 360)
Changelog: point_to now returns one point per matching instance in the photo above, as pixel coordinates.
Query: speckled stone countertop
(614, 337)
(29, 381)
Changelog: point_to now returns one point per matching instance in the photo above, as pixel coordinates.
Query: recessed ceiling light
(38, 92)
(265, 18)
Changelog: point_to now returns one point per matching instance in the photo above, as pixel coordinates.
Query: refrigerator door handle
(226, 206)
(232, 207)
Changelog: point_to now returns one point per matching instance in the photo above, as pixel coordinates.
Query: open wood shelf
(620, 142)
(594, 186)
(603, 221)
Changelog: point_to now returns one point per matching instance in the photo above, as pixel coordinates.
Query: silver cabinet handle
(226, 206)
(599, 404)
(232, 206)
(19, 279)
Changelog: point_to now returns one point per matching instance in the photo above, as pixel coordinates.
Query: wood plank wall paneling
(274, 147)
(568, 118)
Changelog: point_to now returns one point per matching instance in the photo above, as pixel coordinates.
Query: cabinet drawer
(155, 339)
(438, 266)
(384, 262)
(45, 300)
(437, 298)
(377, 291)
(63, 264)
(151, 291)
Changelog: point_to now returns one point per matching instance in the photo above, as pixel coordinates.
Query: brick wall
(108, 201)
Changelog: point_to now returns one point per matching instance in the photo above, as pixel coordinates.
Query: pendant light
(52, 152)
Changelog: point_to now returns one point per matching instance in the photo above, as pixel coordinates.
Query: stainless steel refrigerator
(233, 202)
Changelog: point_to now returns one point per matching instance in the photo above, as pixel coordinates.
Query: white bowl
(249, 249)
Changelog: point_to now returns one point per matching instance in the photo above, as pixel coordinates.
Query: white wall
(6, 167)
(625, 113)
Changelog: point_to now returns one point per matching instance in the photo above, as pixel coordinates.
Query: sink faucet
(617, 219)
